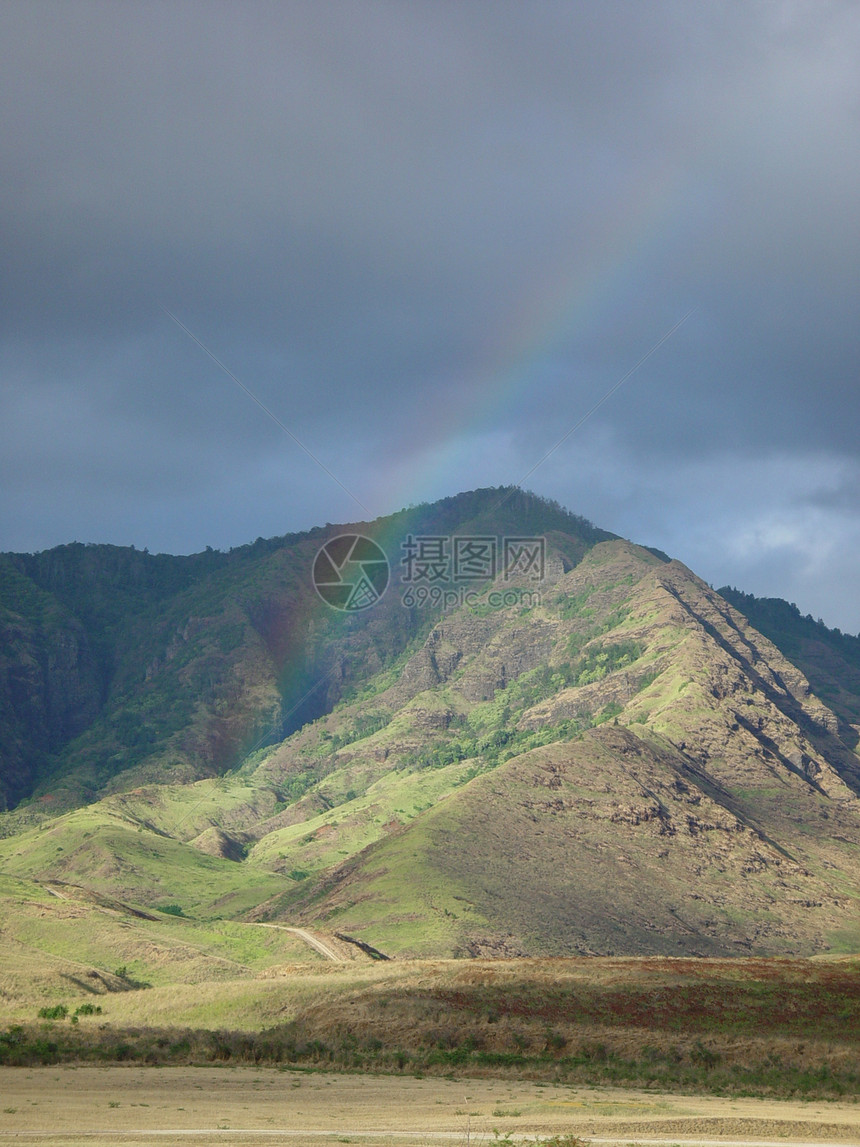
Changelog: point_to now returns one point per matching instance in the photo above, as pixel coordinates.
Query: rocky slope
(691, 792)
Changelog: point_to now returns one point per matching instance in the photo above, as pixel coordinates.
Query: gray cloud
(429, 237)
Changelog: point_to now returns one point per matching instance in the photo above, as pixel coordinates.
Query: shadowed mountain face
(118, 666)
(620, 763)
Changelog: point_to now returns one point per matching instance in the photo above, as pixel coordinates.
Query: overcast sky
(429, 236)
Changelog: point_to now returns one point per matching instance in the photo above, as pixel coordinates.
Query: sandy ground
(96, 1106)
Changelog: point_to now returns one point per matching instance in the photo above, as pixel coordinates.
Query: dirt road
(315, 942)
(247, 1138)
(101, 1106)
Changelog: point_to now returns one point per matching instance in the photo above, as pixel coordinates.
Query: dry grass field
(766, 1028)
(100, 1106)
(118, 1030)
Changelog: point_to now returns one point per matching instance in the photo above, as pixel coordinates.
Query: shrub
(88, 1010)
(57, 1012)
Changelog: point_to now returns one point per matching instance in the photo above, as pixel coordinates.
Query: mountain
(611, 758)
(118, 666)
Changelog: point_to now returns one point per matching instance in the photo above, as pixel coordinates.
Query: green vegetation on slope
(740, 1027)
(111, 856)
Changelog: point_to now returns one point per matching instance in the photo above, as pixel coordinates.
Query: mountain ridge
(120, 605)
(621, 763)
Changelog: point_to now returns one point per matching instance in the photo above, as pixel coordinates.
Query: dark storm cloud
(429, 236)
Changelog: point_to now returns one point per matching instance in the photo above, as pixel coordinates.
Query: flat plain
(96, 1106)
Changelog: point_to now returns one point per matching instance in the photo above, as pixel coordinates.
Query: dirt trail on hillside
(55, 892)
(315, 942)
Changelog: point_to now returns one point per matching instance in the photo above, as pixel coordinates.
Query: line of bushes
(60, 1011)
(699, 1068)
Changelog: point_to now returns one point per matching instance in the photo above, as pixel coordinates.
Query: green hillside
(621, 763)
(107, 854)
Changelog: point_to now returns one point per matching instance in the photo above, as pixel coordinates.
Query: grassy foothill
(755, 1027)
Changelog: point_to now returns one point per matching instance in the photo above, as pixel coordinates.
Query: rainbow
(572, 296)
